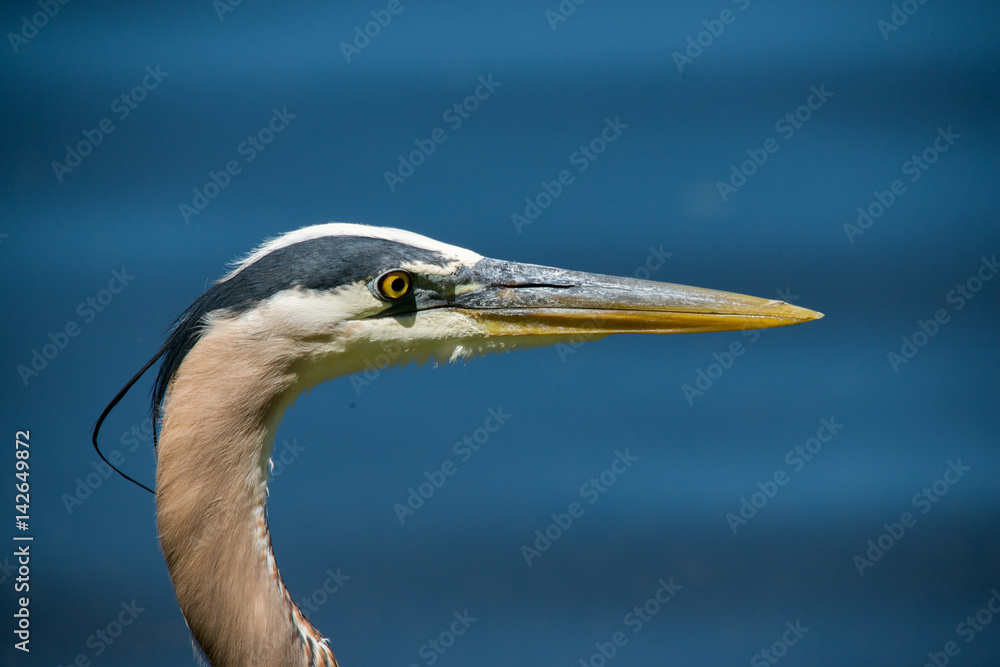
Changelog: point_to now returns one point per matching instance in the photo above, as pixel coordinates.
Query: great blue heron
(323, 302)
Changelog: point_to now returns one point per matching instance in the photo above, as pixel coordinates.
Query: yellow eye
(394, 284)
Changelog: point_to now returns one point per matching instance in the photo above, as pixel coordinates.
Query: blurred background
(843, 156)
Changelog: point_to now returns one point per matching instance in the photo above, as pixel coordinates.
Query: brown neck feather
(218, 429)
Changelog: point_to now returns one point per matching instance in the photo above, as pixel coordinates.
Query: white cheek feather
(298, 313)
(438, 335)
(332, 329)
(363, 345)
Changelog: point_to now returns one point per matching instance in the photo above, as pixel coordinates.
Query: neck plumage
(218, 429)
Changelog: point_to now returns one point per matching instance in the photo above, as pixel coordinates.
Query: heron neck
(218, 429)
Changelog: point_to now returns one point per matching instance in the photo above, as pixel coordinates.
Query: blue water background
(654, 190)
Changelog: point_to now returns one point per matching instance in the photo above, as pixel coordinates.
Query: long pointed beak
(510, 299)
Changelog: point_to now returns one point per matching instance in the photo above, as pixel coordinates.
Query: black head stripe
(323, 263)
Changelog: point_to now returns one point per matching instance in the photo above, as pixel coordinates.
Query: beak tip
(806, 315)
(793, 314)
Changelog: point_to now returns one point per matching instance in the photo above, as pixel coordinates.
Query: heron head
(327, 301)
(342, 298)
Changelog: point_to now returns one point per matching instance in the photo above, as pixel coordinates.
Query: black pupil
(397, 284)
